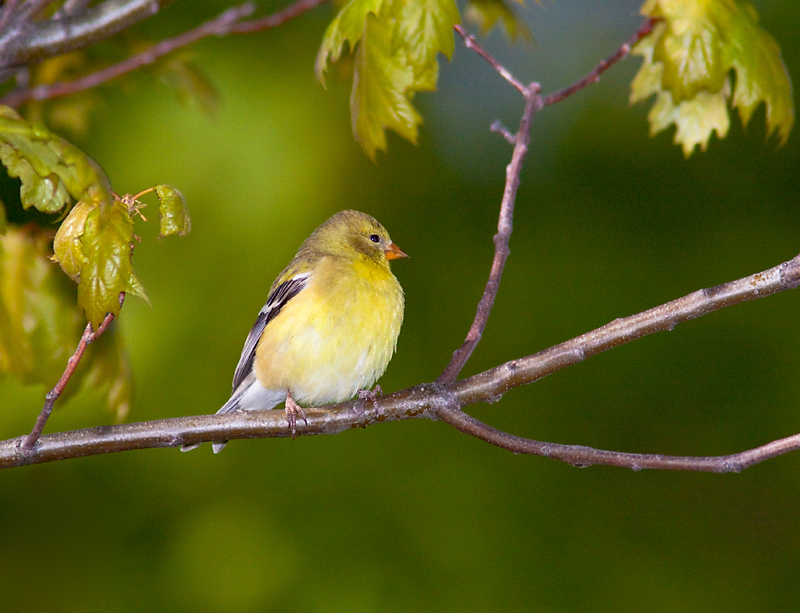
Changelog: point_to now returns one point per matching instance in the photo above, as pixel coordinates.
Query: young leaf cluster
(94, 243)
(395, 43)
(40, 314)
(688, 61)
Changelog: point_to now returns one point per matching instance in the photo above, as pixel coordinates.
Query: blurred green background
(414, 515)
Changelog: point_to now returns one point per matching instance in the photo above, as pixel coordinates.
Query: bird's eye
(375, 238)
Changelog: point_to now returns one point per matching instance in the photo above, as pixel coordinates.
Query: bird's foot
(372, 396)
(292, 411)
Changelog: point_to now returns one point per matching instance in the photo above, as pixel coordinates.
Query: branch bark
(219, 26)
(443, 402)
(24, 42)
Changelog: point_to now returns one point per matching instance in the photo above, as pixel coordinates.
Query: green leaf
(761, 76)
(347, 27)
(687, 60)
(67, 249)
(51, 169)
(39, 320)
(382, 87)
(172, 212)
(396, 43)
(41, 324)
(423, 29)
(695, 119)
(106, 245)
(3, 220)
(486, 13)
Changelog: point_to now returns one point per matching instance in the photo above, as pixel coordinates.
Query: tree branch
(23, 42)
(580, 456)
(219, 26)
(521, 140)
(434, 401)
(495, 382)
(225, 23)
(9, 8)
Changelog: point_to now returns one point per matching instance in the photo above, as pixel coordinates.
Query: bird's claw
(292, 411)
(371, 395)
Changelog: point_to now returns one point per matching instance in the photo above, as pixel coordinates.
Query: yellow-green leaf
(172, 212)
(396, 43)
(39, 322)
(106, 245)
(50, 168)
(347, 27)
(67, 242)
(687, 60)
(423, 29)
(486, 13)
(695, 119)
(382, 88)
(761, 76)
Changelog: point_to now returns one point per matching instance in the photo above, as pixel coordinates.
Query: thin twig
(498, 128)
(580, 456)
(594, 76)
(225, 23)
(219, 26)
(505, 223)
(471, 43)
(88, 337)
(434, 401)
(276, 19)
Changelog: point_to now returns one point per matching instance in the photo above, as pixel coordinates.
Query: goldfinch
(330, 324)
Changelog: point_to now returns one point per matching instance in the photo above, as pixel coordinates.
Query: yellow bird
(330, 324)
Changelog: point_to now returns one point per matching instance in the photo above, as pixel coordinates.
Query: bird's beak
(393, 252)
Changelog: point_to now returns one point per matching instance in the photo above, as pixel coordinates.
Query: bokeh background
(414, 515)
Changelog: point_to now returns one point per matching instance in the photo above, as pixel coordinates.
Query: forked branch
(444, 402)
(505, 223)
(444, 399)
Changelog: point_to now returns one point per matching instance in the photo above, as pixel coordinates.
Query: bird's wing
(277, 299)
